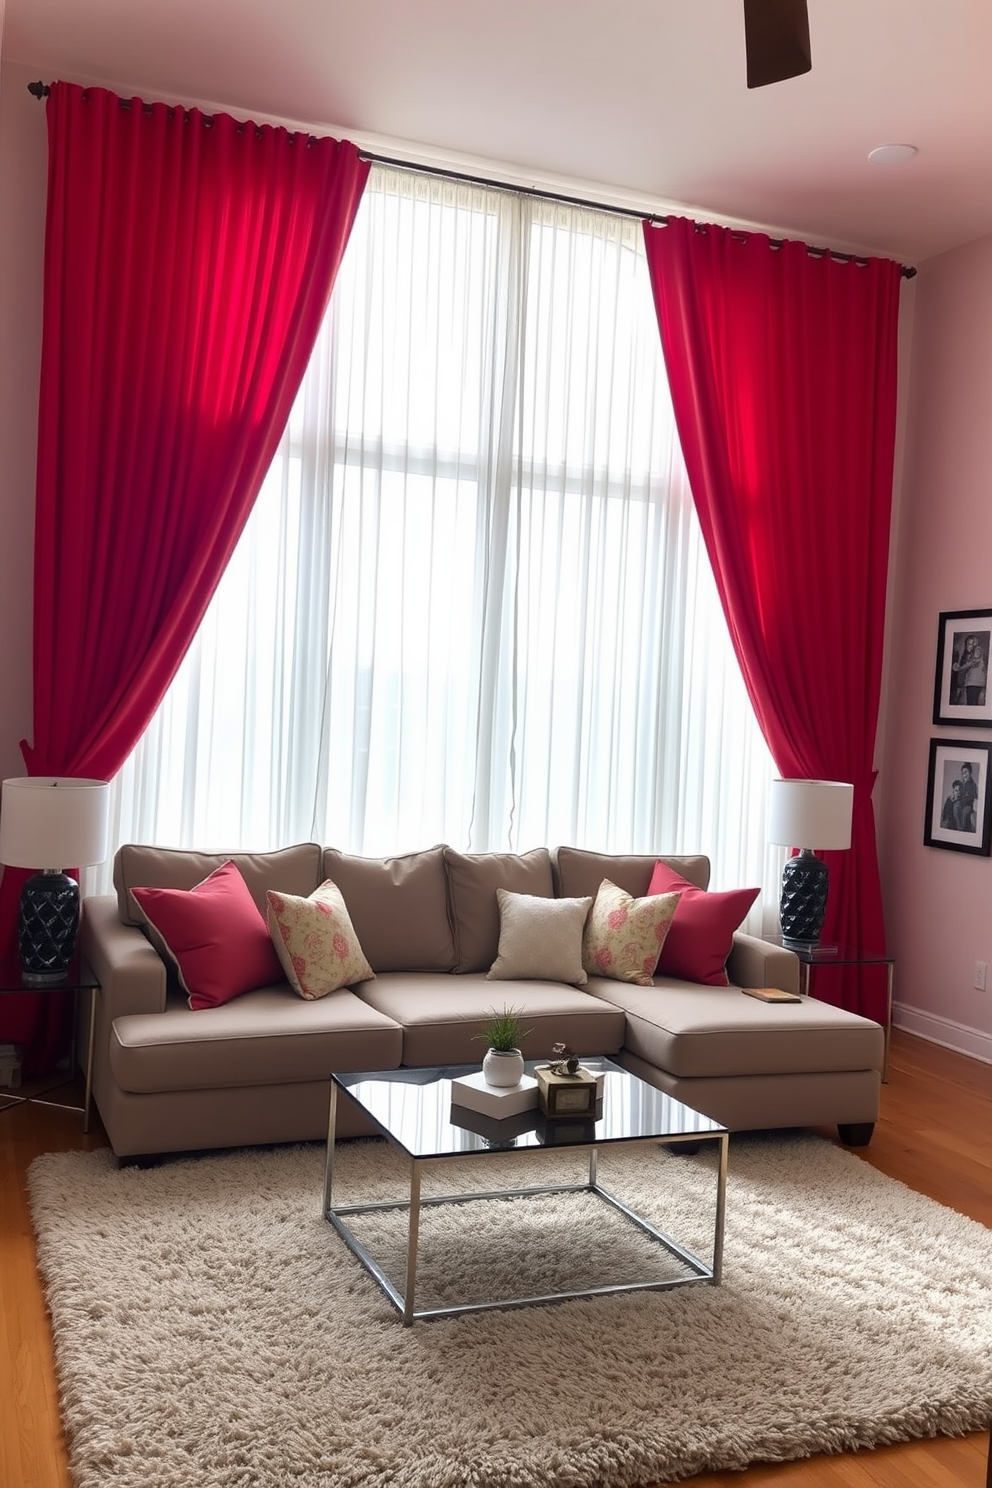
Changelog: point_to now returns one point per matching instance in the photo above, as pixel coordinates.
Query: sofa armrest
(132, 973)
(757, 963)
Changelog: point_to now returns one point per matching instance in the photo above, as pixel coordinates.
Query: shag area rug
(212, 1329)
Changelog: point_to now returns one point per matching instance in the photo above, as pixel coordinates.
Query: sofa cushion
(577, 871)
(473, 879)
(316, 941)
(268, 1037)
(442, 1016)
(540, 938)
(624, 935)
(214, 936)
(399, 908)
(293, 870)
(702, 934)
(714, 1032)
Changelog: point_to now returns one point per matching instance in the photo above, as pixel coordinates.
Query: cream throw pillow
(539, 939)
(316, 941)
(624, 936)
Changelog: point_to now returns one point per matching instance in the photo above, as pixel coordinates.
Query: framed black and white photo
(960, 688)
(958, 796)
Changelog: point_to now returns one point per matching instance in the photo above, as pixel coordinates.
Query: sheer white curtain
(472, 604)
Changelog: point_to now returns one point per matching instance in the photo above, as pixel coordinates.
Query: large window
(472, 604)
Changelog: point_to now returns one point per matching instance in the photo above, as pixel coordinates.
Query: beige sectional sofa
(255, 1070)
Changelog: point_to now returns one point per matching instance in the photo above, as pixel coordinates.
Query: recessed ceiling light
(891, 154)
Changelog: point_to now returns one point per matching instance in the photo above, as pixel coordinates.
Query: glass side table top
(414, 1107)
(80, 977)
(829, 953)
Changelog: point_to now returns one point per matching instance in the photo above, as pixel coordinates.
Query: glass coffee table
(412, 1109)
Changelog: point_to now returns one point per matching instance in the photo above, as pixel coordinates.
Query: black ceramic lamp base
(47, 923)
(803, 904)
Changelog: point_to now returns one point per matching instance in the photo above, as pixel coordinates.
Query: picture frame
(959, 796)
(567, 1095)
(961, 693)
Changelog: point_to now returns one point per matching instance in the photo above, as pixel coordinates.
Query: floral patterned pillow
(316, 941)
(624, 936)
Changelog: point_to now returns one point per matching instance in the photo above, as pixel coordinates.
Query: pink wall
(23, 163)
(939, 903)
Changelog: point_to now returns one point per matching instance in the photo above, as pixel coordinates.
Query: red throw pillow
(216, 936)
(702, 933)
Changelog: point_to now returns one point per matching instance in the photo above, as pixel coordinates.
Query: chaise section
(722, 1032)
(751, 1064)
(846, 1099)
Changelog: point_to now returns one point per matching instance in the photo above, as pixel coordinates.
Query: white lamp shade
(50, 821)
(811, 813)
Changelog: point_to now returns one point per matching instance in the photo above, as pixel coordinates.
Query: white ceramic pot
(503, 1067)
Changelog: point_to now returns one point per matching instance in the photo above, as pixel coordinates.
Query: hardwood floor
(933, 1135)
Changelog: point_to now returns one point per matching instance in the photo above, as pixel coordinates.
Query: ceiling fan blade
(776, 40)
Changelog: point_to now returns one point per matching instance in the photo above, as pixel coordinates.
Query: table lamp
(47, 819)
(808, 814)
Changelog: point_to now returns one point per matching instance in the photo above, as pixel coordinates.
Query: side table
(843, 955)
(80, 980)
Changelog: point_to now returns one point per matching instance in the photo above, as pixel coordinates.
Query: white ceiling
(646, 97)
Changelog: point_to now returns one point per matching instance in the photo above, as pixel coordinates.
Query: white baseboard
(950, 1035)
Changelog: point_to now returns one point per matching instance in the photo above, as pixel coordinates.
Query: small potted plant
(502, 1032)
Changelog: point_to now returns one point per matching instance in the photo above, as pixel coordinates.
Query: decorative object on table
(52, 823)
(477, 1093)
(960, 685)
(959, 795)
(503, 1032)
(771, 994)
(568, 1094)
(564, 1061)
(808, 814)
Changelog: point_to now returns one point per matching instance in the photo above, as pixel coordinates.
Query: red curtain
(782, 366)
(189, 259)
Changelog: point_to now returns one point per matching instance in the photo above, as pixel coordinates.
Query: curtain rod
(814, 250)
(40, 90)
